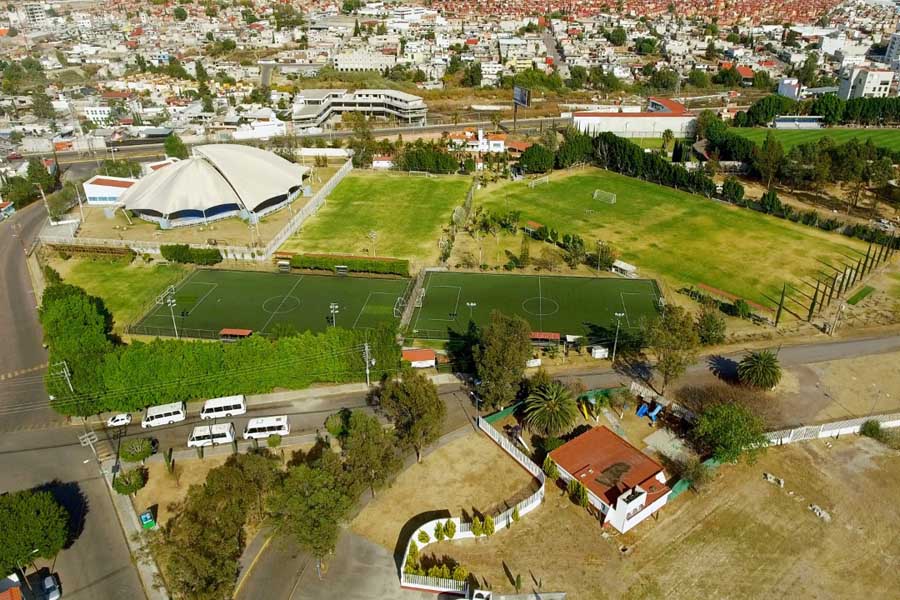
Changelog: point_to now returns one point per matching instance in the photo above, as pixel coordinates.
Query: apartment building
(314, 107)
(363, 60)
(862, 82)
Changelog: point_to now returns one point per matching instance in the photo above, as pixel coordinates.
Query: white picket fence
(228, 252)
(464, 528)
(830, 430)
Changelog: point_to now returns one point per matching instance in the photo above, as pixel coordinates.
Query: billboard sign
(521, 96)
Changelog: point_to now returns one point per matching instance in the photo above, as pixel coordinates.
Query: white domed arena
(216, 182)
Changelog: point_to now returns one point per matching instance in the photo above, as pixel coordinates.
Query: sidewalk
(147, 569)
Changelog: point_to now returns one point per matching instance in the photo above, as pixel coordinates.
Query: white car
(51, 588)
(119, 420)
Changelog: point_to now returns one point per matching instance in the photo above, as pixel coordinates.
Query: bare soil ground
(167, 491)
(741, 538)
(469, 476)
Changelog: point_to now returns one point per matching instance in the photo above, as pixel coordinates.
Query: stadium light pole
(471, 305)
(616, 342)
(170, 300)
(334, 309)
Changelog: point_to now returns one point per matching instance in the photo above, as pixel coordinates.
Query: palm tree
(760, 369)
(667, 138)
(550, 409)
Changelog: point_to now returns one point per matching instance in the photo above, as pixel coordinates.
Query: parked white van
(263, 427)
(164, 414)
(211, 435)
(229, 406)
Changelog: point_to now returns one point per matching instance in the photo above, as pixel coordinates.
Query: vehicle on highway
(229, 406)
(261, 428)
(211, 435)
(164, 414)
(51, 588)
(119, 420)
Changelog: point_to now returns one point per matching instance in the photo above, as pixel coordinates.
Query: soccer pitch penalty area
(210, 300)
(582, 306)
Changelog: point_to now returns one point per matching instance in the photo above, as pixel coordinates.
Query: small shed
(420, 358)
(545, 338)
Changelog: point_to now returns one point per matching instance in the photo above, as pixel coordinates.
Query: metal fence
(833, 429)
(464, 528)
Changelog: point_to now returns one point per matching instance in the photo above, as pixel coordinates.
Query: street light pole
(335, 309)
(616, 342)
(471, 306)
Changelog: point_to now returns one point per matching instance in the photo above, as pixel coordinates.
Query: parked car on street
(119, 420)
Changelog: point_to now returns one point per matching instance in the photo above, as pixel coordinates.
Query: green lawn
(566, 305)
(406, 212)
(125, 288)
(681, 237)
(209, 300)
(860, 295)
(887, 138)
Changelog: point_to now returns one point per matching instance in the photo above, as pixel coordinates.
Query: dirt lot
(164, 491)
(467, 476)
(740, 538)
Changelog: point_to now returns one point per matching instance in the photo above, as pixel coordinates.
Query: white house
(420, 358)
(103, 189)
(383, 162)
(661, 114)
(624, 485)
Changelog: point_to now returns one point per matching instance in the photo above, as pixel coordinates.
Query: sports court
(207, 301)
(584, 306)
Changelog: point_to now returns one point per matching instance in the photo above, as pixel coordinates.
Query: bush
(136, 450)
(577, 493)
(550, 468)
(872, 429)
(423, 537)
(324, 262)
(477, 527)
(129, 482)
(450, 529)
(182, 253)
(515, 514)
(51, 275)
(489, 525)
(439, 531)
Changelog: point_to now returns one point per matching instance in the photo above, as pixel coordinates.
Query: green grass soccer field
(208, 301)
(680, 237)
(885, 138)
(406, 213)
(566, 305)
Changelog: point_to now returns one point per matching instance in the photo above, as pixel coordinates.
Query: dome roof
(216, 177)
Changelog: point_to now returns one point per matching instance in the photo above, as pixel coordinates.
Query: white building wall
(636, 126)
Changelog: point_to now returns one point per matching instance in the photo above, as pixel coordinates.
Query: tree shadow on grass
(724, 368)
(70, 496)
(410, 527)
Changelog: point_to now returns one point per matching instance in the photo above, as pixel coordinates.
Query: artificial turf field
(406, 213)
(679, 237)
(884, 138)
(210, 300)
(565, 305)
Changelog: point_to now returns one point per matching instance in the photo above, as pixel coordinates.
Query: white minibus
(164, 414)
(263, 427)
(228, 406)
(211, 435)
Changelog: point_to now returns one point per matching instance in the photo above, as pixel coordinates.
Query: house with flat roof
(624, 485)
(104, 189)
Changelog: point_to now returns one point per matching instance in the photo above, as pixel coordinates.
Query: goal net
(604, 196)
(420, 298)
(538, 181)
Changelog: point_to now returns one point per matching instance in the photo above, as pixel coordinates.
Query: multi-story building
(362, 60)
(35, 15)
(893, 50)
(864, 82)
(313, 108)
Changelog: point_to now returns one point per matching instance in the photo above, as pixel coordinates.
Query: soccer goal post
(539, 180)
(420, 298)
(604, 196)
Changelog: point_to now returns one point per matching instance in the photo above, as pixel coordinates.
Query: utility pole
(616, 342)
(370, 362)
(44, 198)
(837, 319)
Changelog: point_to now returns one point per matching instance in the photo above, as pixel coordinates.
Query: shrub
(515, 515)
(412, 559)
(577, 493)
(136, 450)
(477, 527)
(423, 537)
(129, 482)
(450, 529)
(550, 468)
(760, 369)
(439, 531)
(182, 253)
(872, 429)
(460, 573)
(489, 525)
(324, 262)
(51, 275)
(273, 441)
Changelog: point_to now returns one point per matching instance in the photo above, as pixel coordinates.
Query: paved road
(98, 564)
(19, 327)
(553, 52)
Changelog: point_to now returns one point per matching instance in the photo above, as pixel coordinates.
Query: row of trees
(22, 191)
(856, 111)
(109, 376)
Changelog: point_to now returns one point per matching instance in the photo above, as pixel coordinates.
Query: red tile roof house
(624, 485)
(420, 358)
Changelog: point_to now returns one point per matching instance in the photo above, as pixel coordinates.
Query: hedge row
(182, 253)
(321, 262)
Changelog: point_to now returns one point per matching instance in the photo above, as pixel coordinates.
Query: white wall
(633, 126)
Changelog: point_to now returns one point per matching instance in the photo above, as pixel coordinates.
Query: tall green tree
(369, 451)
(674, 340)
(310, 507)
(174, 147)
(729, 432)
(500, 358)
(536, 159)
(550, 410)
(760, 369)
(31, 521)
(412, 404)
(769, 158)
